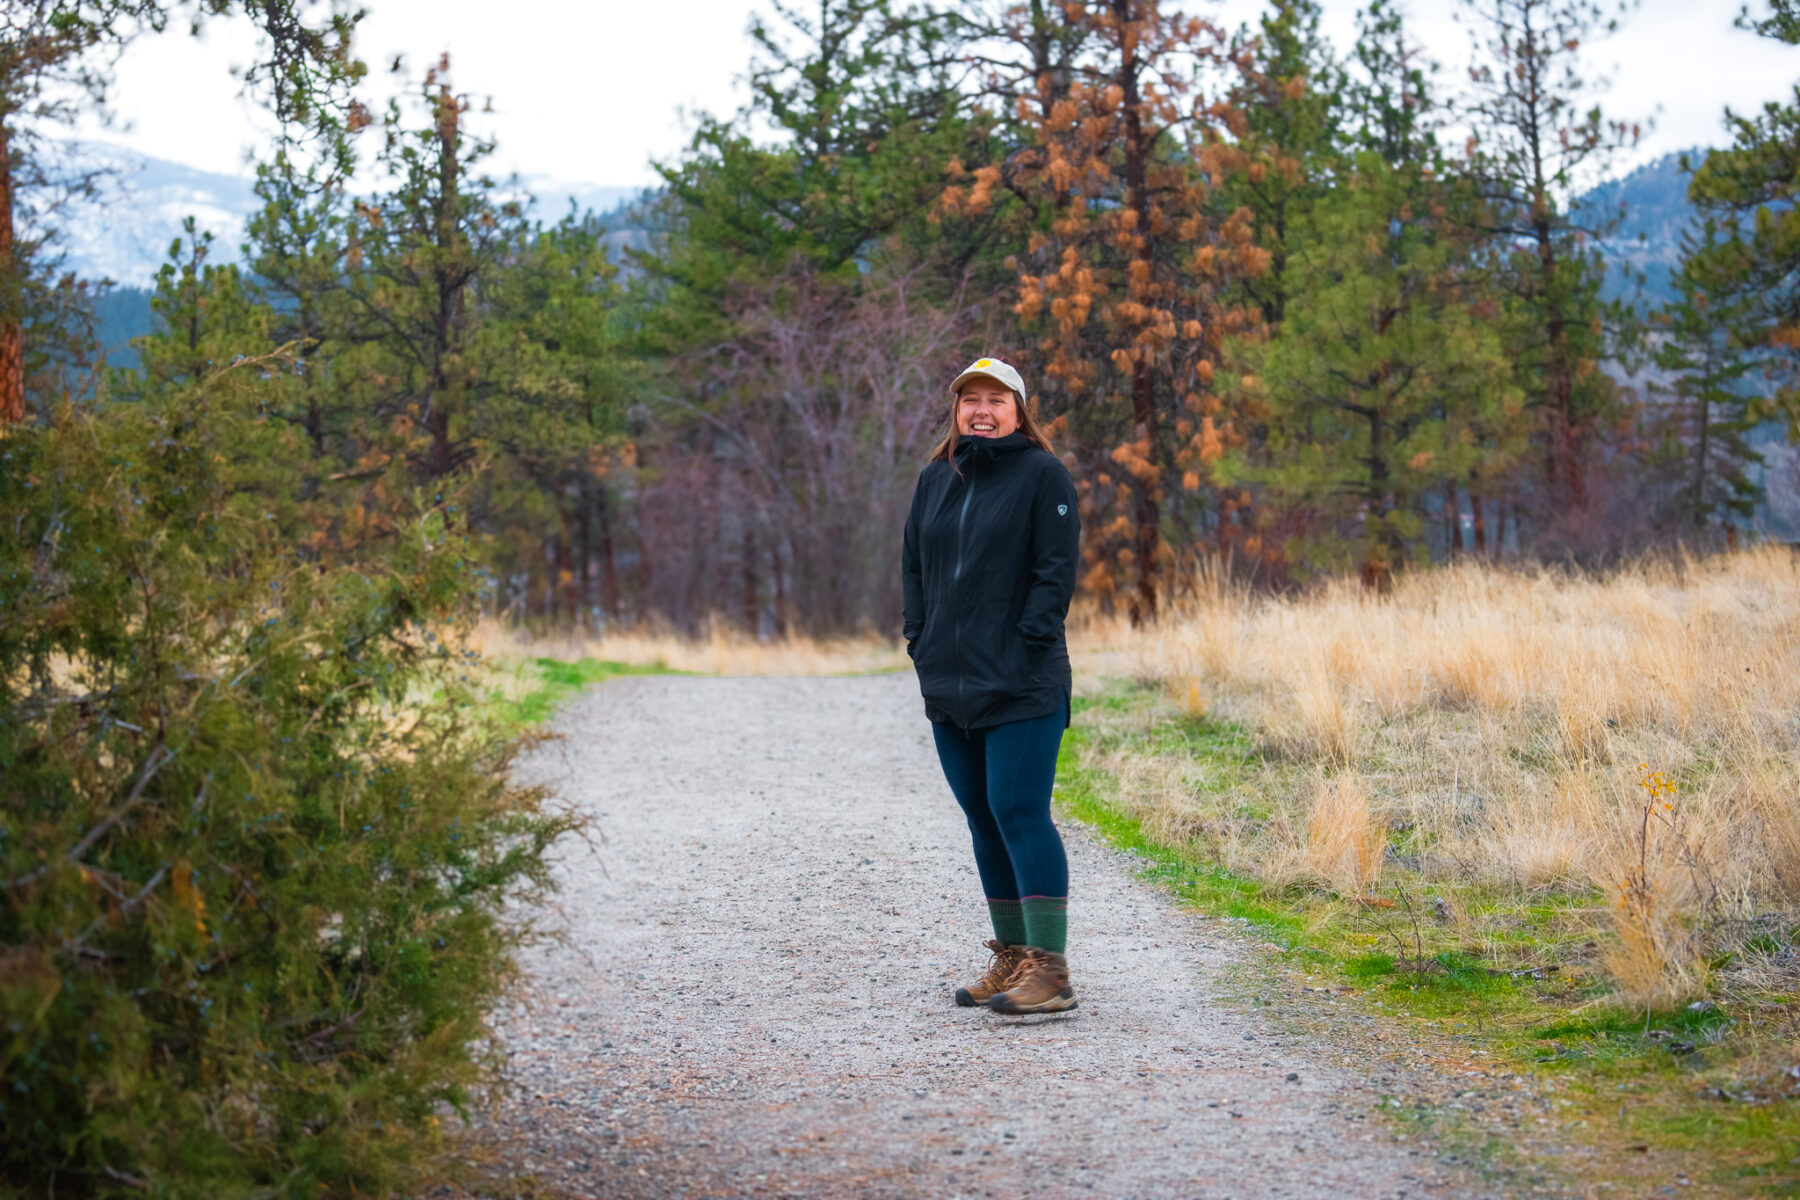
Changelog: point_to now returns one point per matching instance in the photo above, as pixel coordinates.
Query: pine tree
(1538, 140)
(415, 257)
(866, 112)
(296, 248)
(1750, 269)
(1290, 95)
(552, 345)
(1122, 291)
(207, 315)
(55, 65)
(1702, 435)
(1384, 376)
(1390, 105)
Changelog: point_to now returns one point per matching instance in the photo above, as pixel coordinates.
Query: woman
(988, 568)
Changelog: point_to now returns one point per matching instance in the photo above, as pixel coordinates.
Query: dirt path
(755, 996)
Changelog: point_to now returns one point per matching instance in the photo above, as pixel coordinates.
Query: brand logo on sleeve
(1062, 510)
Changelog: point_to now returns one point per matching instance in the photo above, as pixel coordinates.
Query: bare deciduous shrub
(1657, 957)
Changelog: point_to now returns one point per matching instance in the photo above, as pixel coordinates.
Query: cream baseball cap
(991, 368)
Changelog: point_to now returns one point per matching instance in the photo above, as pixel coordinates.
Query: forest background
(1290, 311)
(709, 404)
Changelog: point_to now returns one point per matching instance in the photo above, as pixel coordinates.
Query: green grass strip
(559, 681)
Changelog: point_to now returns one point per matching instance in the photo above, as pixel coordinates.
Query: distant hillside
(124, 233)
(121, 314)
(1648, 239)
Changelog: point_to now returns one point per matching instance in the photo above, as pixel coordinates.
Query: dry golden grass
(719, 652)
(1497, 721)
(1345, 838)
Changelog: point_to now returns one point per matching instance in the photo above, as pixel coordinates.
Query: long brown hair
(946, 447)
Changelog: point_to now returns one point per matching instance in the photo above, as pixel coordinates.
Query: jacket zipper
(962, 519)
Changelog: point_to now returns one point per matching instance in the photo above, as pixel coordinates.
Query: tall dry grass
(718, 651)
(1490, 728)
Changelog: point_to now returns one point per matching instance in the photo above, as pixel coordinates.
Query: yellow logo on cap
(985, 362)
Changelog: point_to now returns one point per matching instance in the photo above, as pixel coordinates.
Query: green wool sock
(1009, 921)
(1046, 922)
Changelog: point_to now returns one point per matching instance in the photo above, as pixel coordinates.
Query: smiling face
(986, 408)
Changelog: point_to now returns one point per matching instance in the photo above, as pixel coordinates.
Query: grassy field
(1553, 817)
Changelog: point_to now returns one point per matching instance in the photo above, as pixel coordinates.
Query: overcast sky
(592, 92)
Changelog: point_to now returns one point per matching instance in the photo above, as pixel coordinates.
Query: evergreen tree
(415, 256)
(1382, 381)
(253, 922)
(1392, 109)
(296, 248)
(1537, 142)
(1750, 269)
(1389, 104)
(1289, 98)
(1384, 378)
(1702, 430)
(55, 65)
(207, 315)
(867, 113)
(1122, 293)
(553, 346)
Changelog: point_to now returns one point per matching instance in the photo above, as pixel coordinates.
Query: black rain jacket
(988, 568)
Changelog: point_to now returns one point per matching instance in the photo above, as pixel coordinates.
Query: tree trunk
(584, 559)
(12, 319)
(1452, 521)
(549, 613)
(1042, 76)
(565, 566)
(1699, 507)
(752, 612)
(779, 564)
(1565, 436)
(1479, 524)
(1147, 515)
(450, 284)
(609, 564)
(1380, 551)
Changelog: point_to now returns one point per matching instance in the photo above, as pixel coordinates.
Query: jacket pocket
(1021, 664)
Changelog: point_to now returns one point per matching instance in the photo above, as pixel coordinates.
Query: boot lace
(1030, 963)
(1003, 968)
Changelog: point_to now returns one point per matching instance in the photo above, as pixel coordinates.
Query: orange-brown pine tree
(1121, 287)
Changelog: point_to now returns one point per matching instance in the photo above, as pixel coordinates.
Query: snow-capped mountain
(125, 231)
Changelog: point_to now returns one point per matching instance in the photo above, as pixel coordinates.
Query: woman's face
(985, 408)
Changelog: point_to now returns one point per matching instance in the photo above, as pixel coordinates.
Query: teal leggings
(1002, 777)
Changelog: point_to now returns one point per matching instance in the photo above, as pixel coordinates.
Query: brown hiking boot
(1006, 960)
(1040, 986)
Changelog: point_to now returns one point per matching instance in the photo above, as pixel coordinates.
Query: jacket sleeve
(912, 582)
(1055, 551)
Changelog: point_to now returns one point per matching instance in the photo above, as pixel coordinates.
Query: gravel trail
(754, 996)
